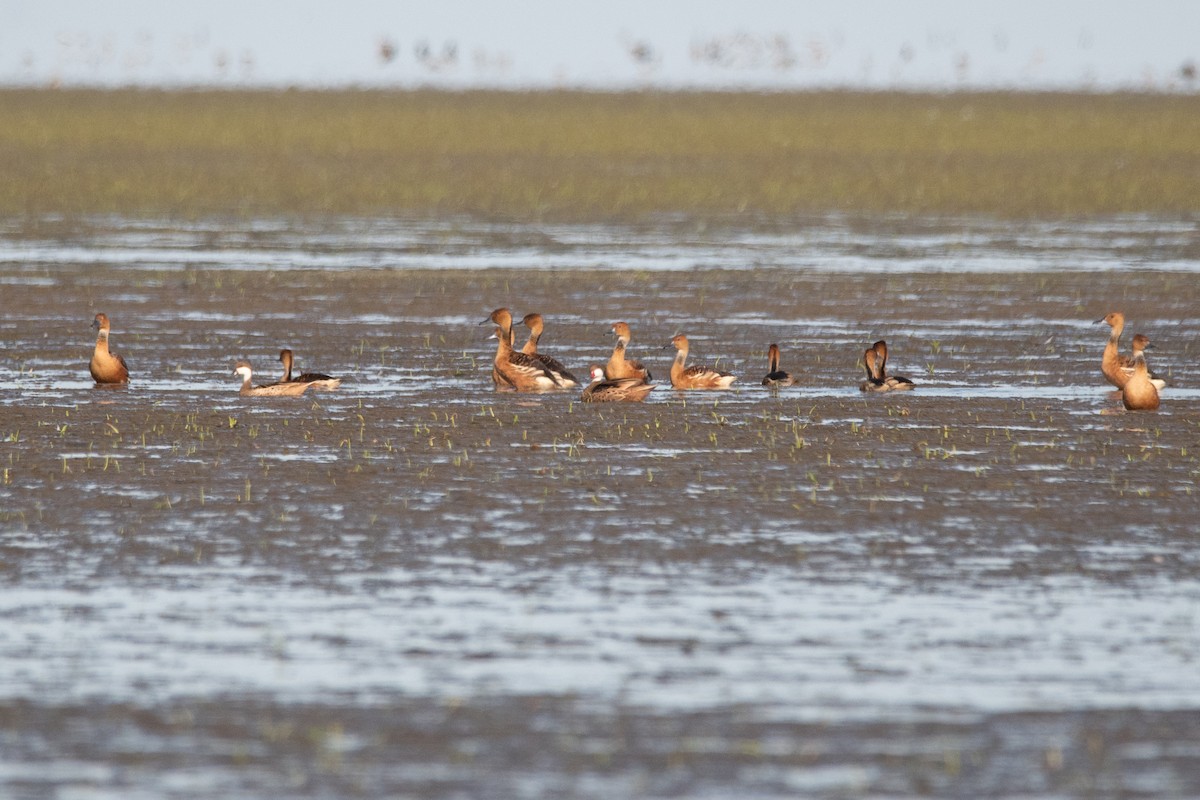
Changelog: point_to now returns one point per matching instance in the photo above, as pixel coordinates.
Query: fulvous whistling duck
(1114, 365)
(536, 324)
(618, 368)
(513, 370)
(292, 389)
(776, 377)
(696, 377)
(875, 362)
(606, 390)
(1139, 392)
(502, 318)
(106, 366)
(317, 379)
(1141, 343)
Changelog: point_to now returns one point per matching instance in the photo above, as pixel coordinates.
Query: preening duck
(1141, 343)
(1139, 392)
(106, 366)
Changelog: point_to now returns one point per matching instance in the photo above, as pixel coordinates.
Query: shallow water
(415, 586)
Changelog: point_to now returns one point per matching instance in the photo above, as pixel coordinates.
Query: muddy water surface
(418, 587)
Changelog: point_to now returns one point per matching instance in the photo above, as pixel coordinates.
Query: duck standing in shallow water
(608, 390)
(1141, 343)
(875, 362)
(291, 389)
(512, 370)
(1116, 367)
(775, 376)
(318, 380)
(502, 319)
(694, 377)
(1139, 392)
(106, 366)
(618, 368)
(536, 325)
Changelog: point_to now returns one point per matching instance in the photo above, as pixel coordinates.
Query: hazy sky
(1101, 44)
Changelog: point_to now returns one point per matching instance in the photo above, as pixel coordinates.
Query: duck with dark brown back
(319, 381)
(776, 377)
(536, 325)
(875, 361)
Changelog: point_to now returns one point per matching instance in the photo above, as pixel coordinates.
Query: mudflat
(418, 586)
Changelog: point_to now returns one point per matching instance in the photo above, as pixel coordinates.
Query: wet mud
(416, 586)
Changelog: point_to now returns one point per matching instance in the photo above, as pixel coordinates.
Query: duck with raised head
(1116, 367)
(106, 366)
(875, 362)
(776, 377)
(618, 368)
(610, 390)
(292, 389)
(1139, 392)
(514, 371)
(501, 318)
(536, 325)
(698, 376)
(318, 380)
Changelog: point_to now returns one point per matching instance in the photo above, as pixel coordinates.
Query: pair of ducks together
(108, 367)
(287, 386)
(527, 370)
(1139, 386)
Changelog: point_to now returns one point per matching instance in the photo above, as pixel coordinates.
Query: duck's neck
(287, 368)
(503, 344)
(102, 342)
(531, 345)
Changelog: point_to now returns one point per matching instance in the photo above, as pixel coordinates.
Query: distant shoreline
(585, 155)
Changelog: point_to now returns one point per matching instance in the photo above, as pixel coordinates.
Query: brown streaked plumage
(694, 377)
(513, 370)
(292, 389)
(318, 380)
(618, 368)
(775, 376)
(605, 390)
(1139, 393)
(536, 325)
(875, 362)
(106, 366)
